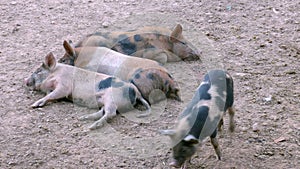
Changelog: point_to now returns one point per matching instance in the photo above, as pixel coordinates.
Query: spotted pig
(147, 75)
(155, 43)
(85, 88)
(201, 117)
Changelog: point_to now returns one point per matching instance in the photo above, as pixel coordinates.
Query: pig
(155, 43)
(147, 75)
(84, 88)
(201, 117)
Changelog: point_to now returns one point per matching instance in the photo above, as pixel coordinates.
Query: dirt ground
(258, 42)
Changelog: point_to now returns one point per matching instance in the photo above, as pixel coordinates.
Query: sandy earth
(257, 42)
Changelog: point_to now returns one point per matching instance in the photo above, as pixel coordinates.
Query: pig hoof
(147, 114)
(34, 106)
(38, 104)
(92, 127)
(82, 118)
(96, 125)
(175, 165)
(232, 128)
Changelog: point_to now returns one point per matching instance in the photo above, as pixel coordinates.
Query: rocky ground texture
(258, 42)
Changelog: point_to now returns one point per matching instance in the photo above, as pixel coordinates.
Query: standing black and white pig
(201, 117)
(86, 88)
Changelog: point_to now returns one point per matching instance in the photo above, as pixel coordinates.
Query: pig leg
(161, 58)
(155, 54)
(221, 123)
(146, 104)
(185, 164)
(231, 119)
(110, 111)
(54, 95)
(94, 116)
(214, 142)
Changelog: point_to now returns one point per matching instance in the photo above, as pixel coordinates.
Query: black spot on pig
(203, 92)
(150, 76)
(106, 83)
(137, 76)
(125, 44)
(138, 37)
(132, 95)
(200, 121)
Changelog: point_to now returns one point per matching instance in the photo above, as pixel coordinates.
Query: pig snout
(29, 82)
(175, 164)
(192, 55)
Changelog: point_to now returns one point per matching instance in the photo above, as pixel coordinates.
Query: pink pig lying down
(147, 75)
(86, 88)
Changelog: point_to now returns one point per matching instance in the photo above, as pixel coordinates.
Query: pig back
(107, 61)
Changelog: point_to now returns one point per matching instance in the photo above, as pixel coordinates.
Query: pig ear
(191, 139)
(50, 61)
(176, 33)
(167, 132)
(68, 48)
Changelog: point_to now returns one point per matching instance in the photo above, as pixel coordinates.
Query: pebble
(268, 99)
(255, 127)
(244, 129)
(105, 24)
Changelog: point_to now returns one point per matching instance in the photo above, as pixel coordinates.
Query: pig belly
(84, 91)
(85, 95)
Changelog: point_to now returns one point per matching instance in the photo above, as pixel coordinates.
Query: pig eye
(182, 43)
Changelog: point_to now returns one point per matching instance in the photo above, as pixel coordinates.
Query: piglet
(201, 117)
(84, 88)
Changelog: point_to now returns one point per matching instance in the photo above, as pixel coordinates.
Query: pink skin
(104, 60)
(64, 81)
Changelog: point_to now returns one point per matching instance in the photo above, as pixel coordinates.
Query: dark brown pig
(85, 88)
(155, 43)
(147, 75)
